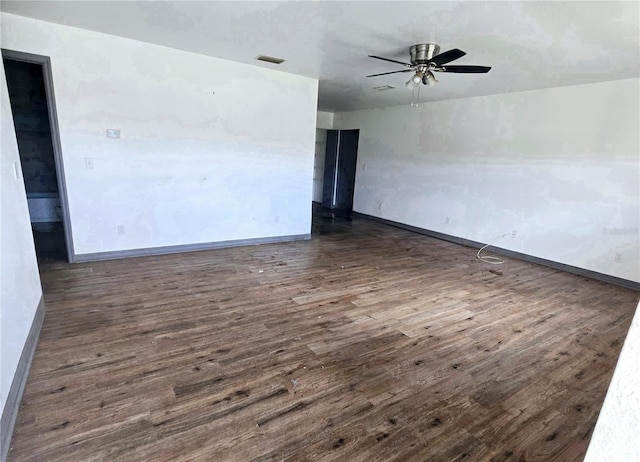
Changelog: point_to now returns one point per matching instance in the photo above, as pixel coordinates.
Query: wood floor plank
(367, 343)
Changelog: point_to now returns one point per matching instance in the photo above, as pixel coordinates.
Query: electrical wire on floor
(489, 259)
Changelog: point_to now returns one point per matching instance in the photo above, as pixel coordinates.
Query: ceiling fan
(427, 59)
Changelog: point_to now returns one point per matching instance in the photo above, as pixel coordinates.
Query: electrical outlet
(617, 258)
(381, 206)
(88, 163)
(514, 233)
(120, 230)
(447, 220)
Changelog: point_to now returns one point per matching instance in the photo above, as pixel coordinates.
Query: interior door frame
(47, 74)
(346, 159)
(329, 175)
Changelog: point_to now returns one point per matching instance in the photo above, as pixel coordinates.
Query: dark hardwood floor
(367, 343)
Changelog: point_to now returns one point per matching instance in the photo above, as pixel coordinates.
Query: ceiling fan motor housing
(422, 53)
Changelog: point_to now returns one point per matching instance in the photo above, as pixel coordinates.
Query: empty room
(320, 231)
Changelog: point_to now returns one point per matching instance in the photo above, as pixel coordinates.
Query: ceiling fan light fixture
(415, 80)
(429, 79)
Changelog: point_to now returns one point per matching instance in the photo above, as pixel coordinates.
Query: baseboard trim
(509, 253)
(14, 397)
(116, 254)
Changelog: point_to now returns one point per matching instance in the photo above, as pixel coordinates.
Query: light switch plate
(88, 163)
(113, 133)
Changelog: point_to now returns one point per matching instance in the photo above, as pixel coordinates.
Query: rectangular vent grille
(384, 87)
(270, 59)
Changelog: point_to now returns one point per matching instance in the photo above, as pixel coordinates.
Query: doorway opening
(31, 97)
(334, 176)
(340, 163)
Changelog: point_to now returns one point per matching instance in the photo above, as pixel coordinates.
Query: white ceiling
(530, 45)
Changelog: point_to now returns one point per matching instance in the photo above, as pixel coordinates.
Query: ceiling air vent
(269, 59)
(384, 87)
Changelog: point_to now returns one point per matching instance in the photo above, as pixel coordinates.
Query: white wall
(190, 166)
(615, 438)
(318, 164)
(325, 120)
(560, 166)
(20, 290)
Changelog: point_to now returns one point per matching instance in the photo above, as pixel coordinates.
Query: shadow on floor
(330, 221)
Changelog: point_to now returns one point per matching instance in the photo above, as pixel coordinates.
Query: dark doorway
(340, 170)
(29, 105)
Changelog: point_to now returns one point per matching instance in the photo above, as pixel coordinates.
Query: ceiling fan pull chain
(415, 96)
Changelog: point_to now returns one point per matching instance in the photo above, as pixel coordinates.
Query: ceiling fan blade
(465, 69)
(391, 60)
(393, 72)
(447, 57)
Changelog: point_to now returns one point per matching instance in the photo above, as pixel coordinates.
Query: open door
(30, 88)
(340, 169)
